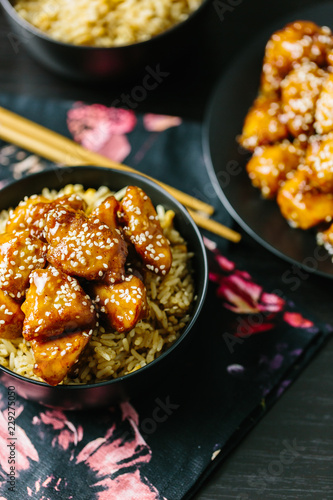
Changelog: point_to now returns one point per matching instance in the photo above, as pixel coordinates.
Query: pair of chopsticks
(54, 147)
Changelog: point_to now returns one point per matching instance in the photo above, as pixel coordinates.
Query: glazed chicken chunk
(31, 213)
(263, 124)
(20, 253)
(142, 228)
(122, 304)
(270, 165)
(55, 303)
(59, 321)
(54, 358)
(302, 205)
(297, 42)
(106, 212)
(299, 93)
(319, 164)
(84, 247)
(11, 317)
(27, 214)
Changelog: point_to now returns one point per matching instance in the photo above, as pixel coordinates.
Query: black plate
(226, 161)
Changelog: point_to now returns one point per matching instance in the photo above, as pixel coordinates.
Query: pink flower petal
(128, 412)
(224, 263)
(122, 121)
(236, 302)
(64, 439)
(245, 275)
(24, 449)
(297, 320)
(89, 449)
(47, 481)
(56, 418)
(116, 148)
(271, 302)
(93, 125)
(242, 295)
(159, 123)
(211, 245)
(109, 455)
(89, 125)
(251, 329)
(79, 433)
(214, 277)
(248, 288)
(113, 455)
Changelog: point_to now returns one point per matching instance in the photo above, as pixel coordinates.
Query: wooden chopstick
(48, 144)
(214, 227)
(65, 151)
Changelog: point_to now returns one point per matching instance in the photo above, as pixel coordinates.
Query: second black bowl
(147, 59)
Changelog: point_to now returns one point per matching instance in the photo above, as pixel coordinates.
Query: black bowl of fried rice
(110, 41)
(115, 277)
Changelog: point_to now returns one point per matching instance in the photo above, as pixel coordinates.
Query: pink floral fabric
(104, 455)
(111, 462)
(104, 129)
(241, 295)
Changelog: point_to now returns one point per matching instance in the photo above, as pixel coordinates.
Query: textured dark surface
(303, 417)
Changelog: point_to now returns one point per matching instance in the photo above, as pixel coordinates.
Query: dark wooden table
(303, 417)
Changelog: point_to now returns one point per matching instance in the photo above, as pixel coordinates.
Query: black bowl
(90, 64)
(145, 379)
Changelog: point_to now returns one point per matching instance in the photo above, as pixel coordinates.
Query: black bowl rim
(8, 7)
(199, 301)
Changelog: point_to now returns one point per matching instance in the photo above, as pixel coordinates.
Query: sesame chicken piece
(319, 164)
(54, 358)
(324, 107)
(11, 317)
(55, 303)
(31, 213)
(122, 304)
(297, 42)
(269, 166)
(300, 90)
(20, 253)
(263, 124)
(27, 214)
(302, 205)
(84, 247)
(142, 228)
(73, 201)
(106, 212)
